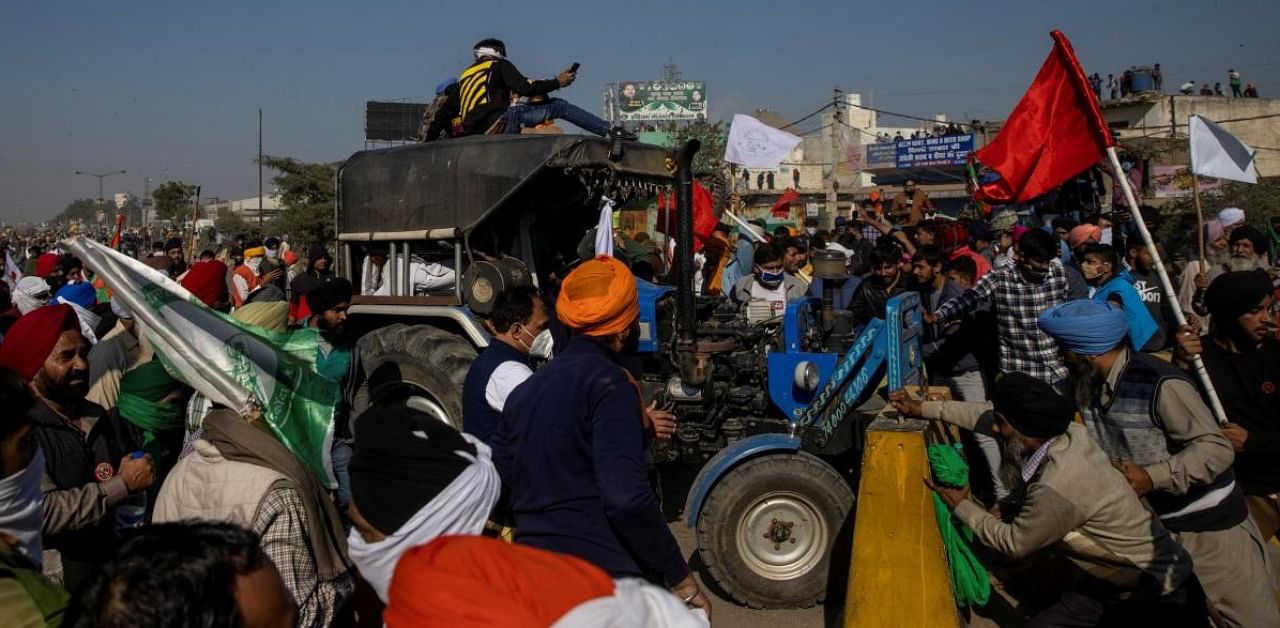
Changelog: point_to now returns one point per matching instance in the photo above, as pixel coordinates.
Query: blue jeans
(521, 116)
(340, 455)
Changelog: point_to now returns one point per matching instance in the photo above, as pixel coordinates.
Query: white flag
(604, 230)
(11, 272)
(755, 144)
(246, 368)
(1217, 153)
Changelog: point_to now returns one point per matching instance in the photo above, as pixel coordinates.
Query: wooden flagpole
(1195, 189)
(1215, 404)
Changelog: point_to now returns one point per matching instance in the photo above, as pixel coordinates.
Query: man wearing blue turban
(1150, 420)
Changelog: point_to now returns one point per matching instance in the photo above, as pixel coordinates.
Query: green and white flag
(241, 366)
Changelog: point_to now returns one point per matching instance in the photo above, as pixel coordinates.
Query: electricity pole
(99, 205)
(259, 168)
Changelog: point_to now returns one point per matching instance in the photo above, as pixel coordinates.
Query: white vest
(204, 485)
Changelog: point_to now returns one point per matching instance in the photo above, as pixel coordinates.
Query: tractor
(765, 454)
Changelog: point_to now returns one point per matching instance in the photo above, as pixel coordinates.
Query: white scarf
(22, 508)
(461, 508)
(634, 604)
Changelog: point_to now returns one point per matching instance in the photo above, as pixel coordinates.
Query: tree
(1261, 203)
(306, 193)
(82, 209)
(713, 136)
(173, 201)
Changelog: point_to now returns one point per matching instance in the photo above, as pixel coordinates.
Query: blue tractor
(765, 454)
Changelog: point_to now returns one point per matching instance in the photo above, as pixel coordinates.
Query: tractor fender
(728, 458)
(460, 316)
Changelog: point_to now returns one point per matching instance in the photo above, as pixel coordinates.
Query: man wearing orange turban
(473, 581)
(570, 445)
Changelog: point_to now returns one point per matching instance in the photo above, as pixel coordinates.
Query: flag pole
(1214, 403)
(1195, 190)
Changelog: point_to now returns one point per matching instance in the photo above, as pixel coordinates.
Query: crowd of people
(129, 498)
(1123, 86)
(1064, 359)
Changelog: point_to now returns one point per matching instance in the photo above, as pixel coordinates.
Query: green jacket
(27, 598)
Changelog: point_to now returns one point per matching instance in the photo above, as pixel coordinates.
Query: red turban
(599, 298)
(478, 581)
(952, 234)
(31, 339)
(46, 264)
(207, 280)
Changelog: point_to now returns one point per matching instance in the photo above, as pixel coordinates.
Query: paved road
(726, 613)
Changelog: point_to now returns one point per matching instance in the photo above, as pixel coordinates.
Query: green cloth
(140, 393)
(27, 598)
(969, 579)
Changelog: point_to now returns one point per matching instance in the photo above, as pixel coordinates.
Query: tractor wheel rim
(429, 405)
(782, 536)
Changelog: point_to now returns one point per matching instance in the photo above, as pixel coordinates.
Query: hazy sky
(170, 90)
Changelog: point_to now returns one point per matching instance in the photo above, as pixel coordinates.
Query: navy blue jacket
(479, 419)
(570, 450)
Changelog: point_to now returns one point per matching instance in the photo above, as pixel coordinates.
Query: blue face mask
(771, 279)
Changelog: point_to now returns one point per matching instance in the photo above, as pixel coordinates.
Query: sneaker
(619, 133)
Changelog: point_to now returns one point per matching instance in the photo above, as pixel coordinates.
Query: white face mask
(542, 345)
(22, 507)
(253, 264)
(811, 230)
(272, 253)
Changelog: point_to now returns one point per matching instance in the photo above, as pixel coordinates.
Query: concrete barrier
(898, 576)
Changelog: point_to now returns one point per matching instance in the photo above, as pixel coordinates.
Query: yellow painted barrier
(899, 574)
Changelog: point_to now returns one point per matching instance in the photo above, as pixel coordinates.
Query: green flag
(241, 366)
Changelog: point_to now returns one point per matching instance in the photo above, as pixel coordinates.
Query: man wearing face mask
(88, 467)
(245, 277)
(1018, 292)
(571, 443)
(26, 597)
(1110, 283)
(519, 322)
(769, 281)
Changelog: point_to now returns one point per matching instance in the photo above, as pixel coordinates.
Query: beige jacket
(117, 353)
(1079, 502)
(205, 485)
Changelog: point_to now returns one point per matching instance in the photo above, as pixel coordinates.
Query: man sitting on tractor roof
(486, 89)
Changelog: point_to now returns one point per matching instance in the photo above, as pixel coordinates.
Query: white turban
(27, 290)
(1231, 216)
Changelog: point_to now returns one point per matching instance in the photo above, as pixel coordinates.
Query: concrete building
(846, 158)
(246, 209)
(1256, 121)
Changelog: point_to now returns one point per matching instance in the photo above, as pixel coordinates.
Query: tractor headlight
(806, 376)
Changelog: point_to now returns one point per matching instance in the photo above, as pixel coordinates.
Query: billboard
(927, 152)
(643, 101)
(1175, 181)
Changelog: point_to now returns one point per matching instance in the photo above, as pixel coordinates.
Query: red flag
(704, 215)
(782, 208)
(115, 239)
(1054, 132)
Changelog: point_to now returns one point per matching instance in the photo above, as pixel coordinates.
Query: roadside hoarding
(928, 152)
(644, 101)
(1175, 182)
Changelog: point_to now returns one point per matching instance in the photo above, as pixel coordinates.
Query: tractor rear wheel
(419, 365)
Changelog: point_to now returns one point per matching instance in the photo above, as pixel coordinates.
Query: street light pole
(101, 202)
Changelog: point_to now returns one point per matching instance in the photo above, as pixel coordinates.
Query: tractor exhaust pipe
(685, 315)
